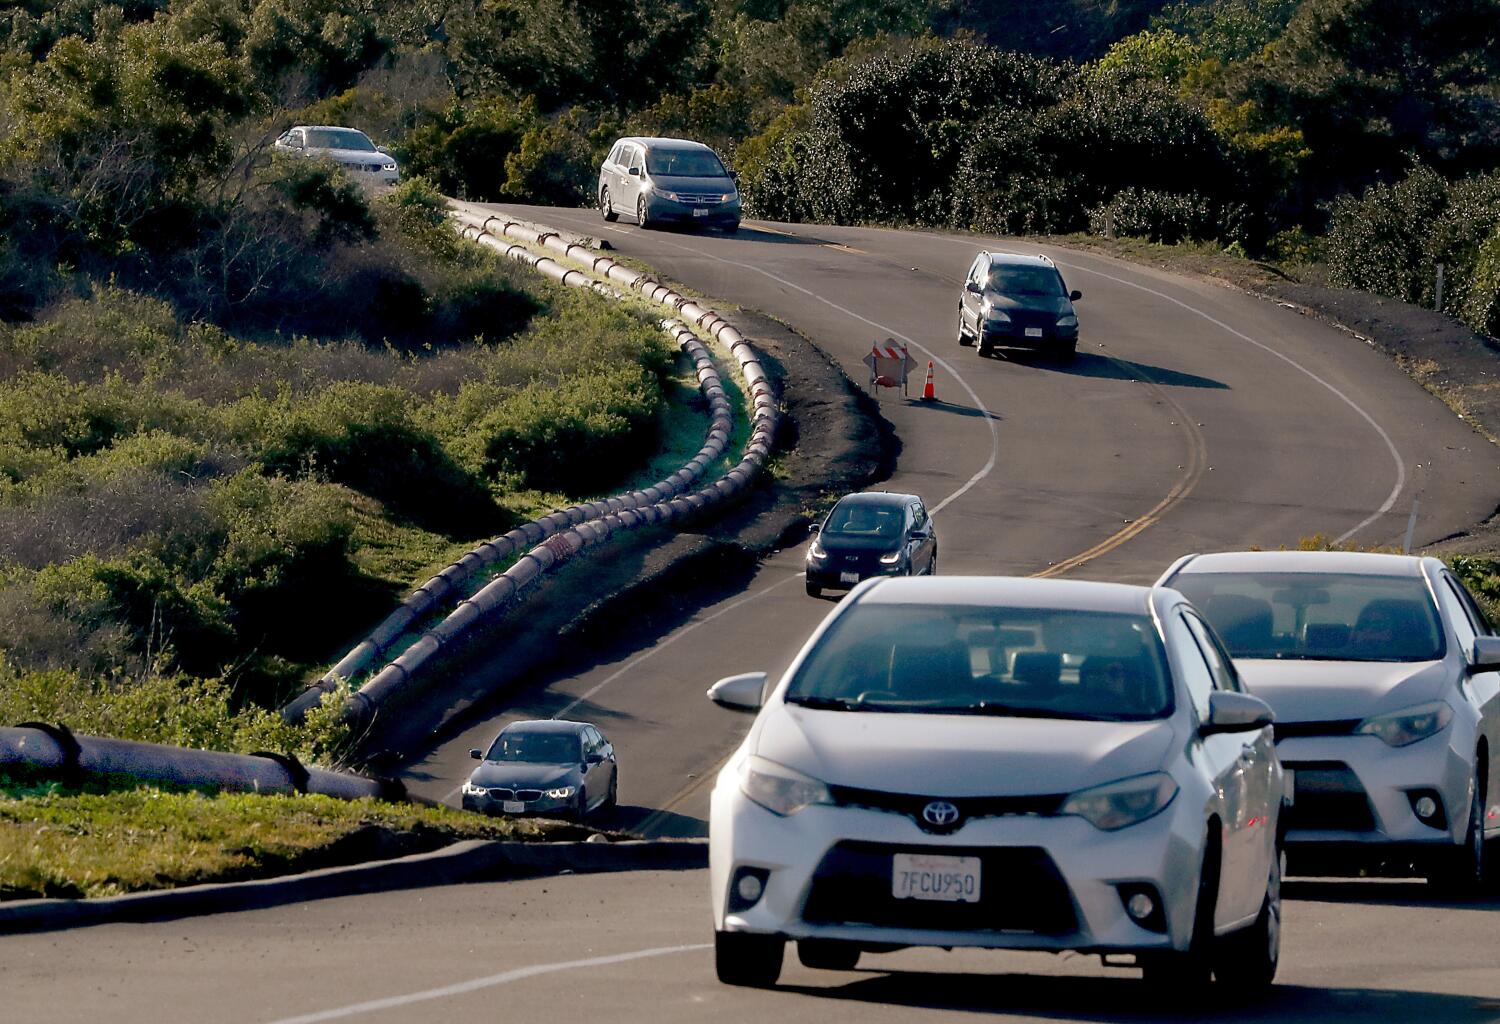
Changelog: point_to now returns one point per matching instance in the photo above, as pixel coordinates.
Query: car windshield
(339, 138)
(962, 659)
(851, 519)
(535, 748)
(1318, 616)
(685, 163)
(1021, 280)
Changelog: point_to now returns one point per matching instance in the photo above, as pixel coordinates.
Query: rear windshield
(1012, 662)
(1019, 280)
(1318, 616)
(535, 748)
(339, 138)
(685, 163)
(849, 520)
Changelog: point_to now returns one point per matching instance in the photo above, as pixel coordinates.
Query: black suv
(871, 534)
(1019, 301)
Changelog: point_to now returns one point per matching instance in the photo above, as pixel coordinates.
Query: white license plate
(513, 807)
(700, 213)
(917, 876)
(848, 577)
(1033, 332)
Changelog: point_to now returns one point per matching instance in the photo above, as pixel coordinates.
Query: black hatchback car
(546, 768)
(873, 533)
(1020, 302)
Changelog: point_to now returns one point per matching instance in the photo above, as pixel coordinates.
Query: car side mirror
(1486, 654)
(734, 175)
(739, 693)
(594, 759)
(476, 753)
(635, 172)
(815, 527)
(1235, 712)
(1075, 295)
(970, 286)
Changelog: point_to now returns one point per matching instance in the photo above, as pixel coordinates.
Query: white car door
(1466, 622)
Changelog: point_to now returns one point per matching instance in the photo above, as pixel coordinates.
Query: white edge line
(475, 984)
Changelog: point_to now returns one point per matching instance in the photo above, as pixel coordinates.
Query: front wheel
(963, 335)
(581, 811)
(1068, 352)
(731, 227)
(985, 348)
(1462, 870)
(613, 799)
(1184, 974)
(606, 206)
(813, 590)
(750, 960)
(642, 214)
(1245, 962)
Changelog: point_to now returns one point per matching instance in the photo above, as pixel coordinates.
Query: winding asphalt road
(1195, 418)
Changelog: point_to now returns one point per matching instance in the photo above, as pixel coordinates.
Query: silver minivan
(662, 181)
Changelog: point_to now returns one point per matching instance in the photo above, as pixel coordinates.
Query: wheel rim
(1476, 832)
(604, 200)
(640, 212)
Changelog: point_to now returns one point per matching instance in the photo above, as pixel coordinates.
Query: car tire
(963, 335)
(613, 799)
(813, 590)
(753, 961)
(582, 810)
(731, 228)
(1462, 871)
(642, 214)
(1068, 353)
(606, 208)
(932, 565)
(1181, 975)
(985, 349)
(1245, 962)
(828, 954)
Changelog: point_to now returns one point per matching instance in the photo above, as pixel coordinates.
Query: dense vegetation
(231, 384)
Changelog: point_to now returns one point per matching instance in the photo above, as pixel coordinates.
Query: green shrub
(1376, 242)
(1481, 307)
(1481, 575)
(1163, 217)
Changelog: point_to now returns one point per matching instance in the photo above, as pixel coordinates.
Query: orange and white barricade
(890, 366)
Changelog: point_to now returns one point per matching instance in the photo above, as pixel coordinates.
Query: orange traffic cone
(929, 393)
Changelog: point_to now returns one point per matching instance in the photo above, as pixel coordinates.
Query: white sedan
(350, 148)
(1002, 763)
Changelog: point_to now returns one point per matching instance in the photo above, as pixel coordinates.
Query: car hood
(1323, 691)
(353, 156)
(835, 543)
(678, 183)
(515, 775)
(959, 755)
(1058, 304)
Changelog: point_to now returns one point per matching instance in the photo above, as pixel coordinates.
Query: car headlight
(472, 790)
(669, 195)
(891, 557)
(779, 789)
(1118, 804)
(816, 553)
(389, 165)
(561, 792)
(999, 316)
(1408, 725)
(1067, 321)
(726, 197)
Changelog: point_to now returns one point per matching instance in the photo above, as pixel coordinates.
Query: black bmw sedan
(874, 533)
(552, 768)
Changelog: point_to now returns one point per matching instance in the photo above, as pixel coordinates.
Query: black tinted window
(851, 520)
(536, 748)
(685, 163)
(1021, 280)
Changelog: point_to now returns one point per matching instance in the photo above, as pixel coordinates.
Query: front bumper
(1353, 792)
(543, 807)
(1046, 883)
(712, 214)
(1014, 335)
(829, 574)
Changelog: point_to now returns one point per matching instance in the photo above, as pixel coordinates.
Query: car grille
(968, 806)
(1328, 795)
(1291, 730)
(1020, 890)
(516, 794)
(699, 198)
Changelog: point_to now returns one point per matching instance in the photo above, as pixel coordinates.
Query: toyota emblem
(940, 814)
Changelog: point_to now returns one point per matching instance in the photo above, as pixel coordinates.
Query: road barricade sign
(890, 366)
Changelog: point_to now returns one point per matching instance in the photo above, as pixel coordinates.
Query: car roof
(877, 498)
(1353, 563)
(1020, 259)
(663, 142)
(1010, 591)
(327, 127)
(545, 725)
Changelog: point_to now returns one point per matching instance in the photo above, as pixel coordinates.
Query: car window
(919, 515)
(1013, 279)
(1482, 624)
(535, 748)
(1317, 616)
(1217, 658)
(685, 163)
(614, 154)
(967, 659)
(849, 519)
(339, 138)
(633, 156)
(976, 272)
(1457, 615)
(1197, 678)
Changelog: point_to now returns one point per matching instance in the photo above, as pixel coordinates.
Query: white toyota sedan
(1003, 763)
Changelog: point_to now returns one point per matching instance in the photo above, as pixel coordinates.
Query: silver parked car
(350, 148)
(660, 181)
(1001, 763)
(1385, 678)
(545, 768)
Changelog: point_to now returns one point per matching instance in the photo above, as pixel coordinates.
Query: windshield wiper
(990, 707)
(823, 703)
